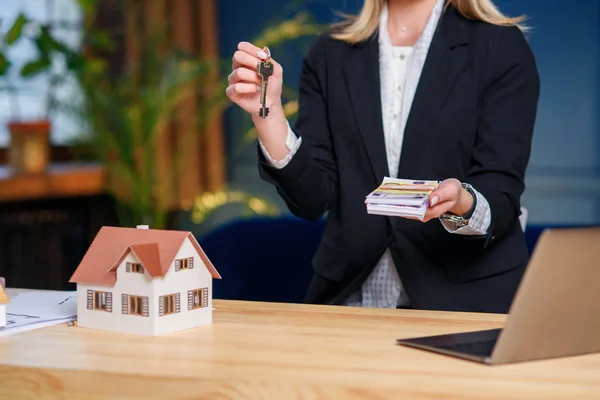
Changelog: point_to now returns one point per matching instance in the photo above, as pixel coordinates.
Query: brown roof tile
(155, 248)
(150, 259)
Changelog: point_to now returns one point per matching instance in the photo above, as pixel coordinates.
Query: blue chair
(269, 259)
(263, 259)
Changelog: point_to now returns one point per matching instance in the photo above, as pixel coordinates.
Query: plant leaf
(127, 113)
(47, 44)
(88, 6)
(4, 64)
(100, 40)
(288, 30)
(16, 30)
(35, 67)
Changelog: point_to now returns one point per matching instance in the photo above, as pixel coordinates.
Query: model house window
(169, 304)
(197, 298)
(184, 263)
(134, 305)
(99, 300)
(134, 267)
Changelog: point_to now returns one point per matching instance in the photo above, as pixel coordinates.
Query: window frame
(135, 268)
(202, 293)
(131, 302)
(135, 303)
(169, 304)
(184, 263)
(99, 300)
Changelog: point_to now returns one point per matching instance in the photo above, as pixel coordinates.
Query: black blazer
(472, 119)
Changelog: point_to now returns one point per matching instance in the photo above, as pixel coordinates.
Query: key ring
(267, 51)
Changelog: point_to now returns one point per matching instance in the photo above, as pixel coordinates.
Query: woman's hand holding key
(244, 90)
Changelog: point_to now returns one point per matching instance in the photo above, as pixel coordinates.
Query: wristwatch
(462, 220)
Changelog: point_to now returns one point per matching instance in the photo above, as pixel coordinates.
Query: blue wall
(563, 179)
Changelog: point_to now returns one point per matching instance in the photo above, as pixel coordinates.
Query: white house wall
(180, 282)
(143, 285)
(127, 283)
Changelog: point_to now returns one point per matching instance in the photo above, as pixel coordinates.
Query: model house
(3, 302)
(144, 281)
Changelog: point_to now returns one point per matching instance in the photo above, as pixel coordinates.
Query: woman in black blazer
(417, 89)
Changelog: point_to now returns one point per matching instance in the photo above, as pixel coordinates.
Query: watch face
(457, 219)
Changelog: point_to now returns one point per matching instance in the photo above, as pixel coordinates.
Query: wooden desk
(280, 351)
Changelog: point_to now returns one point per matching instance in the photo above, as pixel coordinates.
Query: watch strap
(462, 220)
(469, 189)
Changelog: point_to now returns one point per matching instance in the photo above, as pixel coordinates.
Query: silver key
(264, 70)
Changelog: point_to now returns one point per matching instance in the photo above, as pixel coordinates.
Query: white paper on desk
(13, 330)
(39, 309)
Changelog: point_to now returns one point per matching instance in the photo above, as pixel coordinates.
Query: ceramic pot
(29, 151)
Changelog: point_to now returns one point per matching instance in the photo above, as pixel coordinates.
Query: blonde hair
(362, 26)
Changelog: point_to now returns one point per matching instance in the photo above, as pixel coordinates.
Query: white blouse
(400, 70)
(394, 64)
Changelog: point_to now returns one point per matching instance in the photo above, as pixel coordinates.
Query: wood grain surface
(280, 351)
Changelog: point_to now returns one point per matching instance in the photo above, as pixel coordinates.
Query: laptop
(555, 312)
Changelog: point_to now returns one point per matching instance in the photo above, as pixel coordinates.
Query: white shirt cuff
(478, 223)
(292, 143)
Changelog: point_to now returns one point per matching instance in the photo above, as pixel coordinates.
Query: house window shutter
(124, 304)
(190, 299)
(145, 306)
(191, 262)
(161, 305)
(205, 297)
(178, 302)
(177, 265)
(90, 299)
(128, 267)
(108, 302)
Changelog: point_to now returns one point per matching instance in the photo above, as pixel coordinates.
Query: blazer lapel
(361, 73)
(445, 61)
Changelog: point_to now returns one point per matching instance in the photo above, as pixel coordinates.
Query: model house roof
(3, 296)
(156, 249)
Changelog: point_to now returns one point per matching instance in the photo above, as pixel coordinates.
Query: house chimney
(142, 227)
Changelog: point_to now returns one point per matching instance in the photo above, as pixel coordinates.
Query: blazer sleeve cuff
(294, 168)
(292, 143)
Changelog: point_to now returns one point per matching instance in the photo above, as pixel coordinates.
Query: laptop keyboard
(479, 349)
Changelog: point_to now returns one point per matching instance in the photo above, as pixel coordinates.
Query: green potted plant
(30, 138)
(123, 118)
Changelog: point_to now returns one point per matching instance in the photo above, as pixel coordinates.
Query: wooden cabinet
(48, 221)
